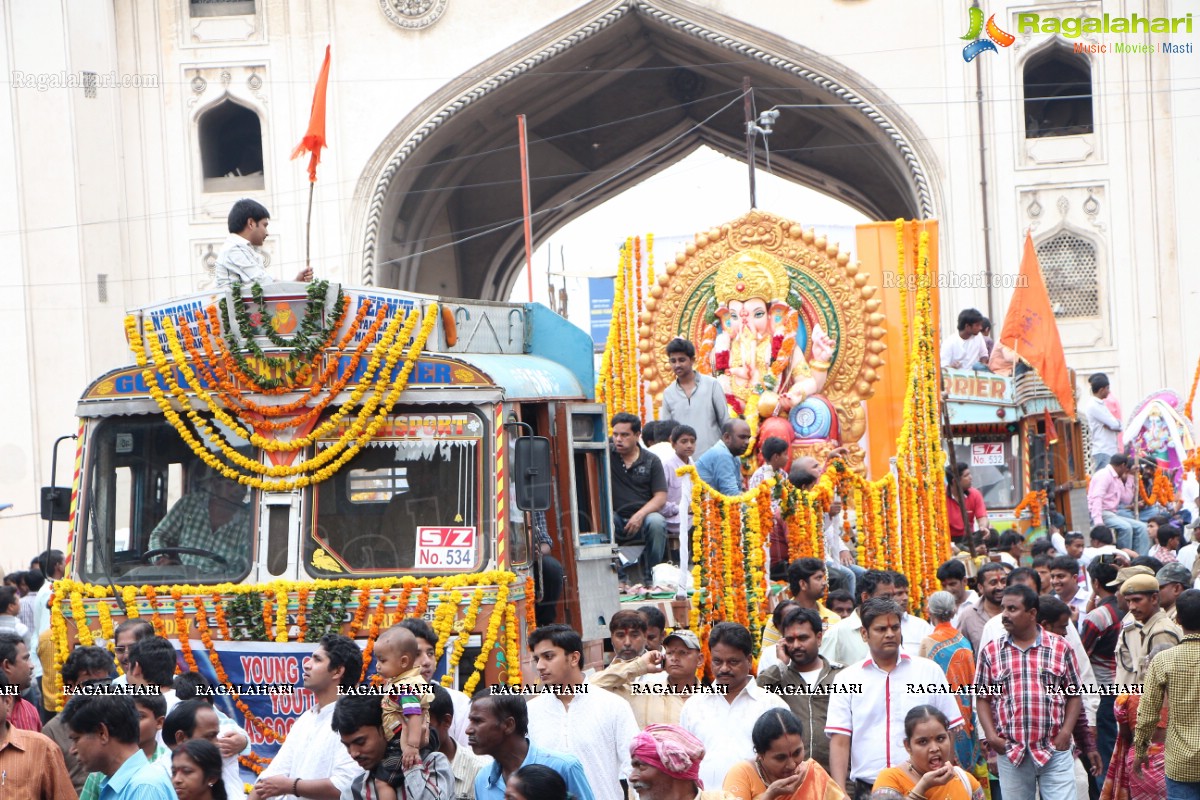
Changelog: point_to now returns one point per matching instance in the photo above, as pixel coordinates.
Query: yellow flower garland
(281, 609)
(443, 621)
(391, 343)
(464, 635)
(392, 347)
(75, 593)
(360, 437)
(489, 641)
(513, 650)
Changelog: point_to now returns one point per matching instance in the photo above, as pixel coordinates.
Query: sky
(714, 190)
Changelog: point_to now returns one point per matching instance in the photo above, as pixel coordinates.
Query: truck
(1018, 443)
(428, 510)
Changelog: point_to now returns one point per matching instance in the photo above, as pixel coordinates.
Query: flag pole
(313, 141)
(522, 135)
(308, 228)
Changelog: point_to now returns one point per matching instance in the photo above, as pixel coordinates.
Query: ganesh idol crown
(783, 320)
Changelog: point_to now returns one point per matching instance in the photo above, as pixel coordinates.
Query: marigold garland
(394, 344)
(302, 615)
(186, 598)
(530, 605)
(155, 619)
(309, 471)
(464, 635)
(512, 650)
(499, 611)
(1033, 502)
(1162, 491)
(1187, 407)
(213, 370)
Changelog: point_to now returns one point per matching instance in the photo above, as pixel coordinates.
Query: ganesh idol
(758, 350)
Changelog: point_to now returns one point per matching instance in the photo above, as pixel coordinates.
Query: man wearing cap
(662, 701)
(666, 765)
(1148, 628)
(1173, 580)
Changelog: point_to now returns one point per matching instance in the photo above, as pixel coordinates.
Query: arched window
(1068, 265)
(231, 148)
(1058, 94)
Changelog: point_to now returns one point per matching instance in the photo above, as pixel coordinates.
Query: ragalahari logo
(995, 35)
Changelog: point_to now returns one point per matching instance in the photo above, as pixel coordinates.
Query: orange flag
(1031, 332)
(1051, 430)
(314, 138)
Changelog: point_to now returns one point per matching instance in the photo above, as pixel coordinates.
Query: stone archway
(612, 95)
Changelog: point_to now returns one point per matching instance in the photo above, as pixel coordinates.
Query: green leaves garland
(310, 339)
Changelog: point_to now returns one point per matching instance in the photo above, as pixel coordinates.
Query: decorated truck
(1026, 457)
(290, 460)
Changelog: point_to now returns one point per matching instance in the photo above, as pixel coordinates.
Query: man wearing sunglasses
(127, 634)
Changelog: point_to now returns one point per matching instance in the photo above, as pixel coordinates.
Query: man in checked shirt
(1033, 719)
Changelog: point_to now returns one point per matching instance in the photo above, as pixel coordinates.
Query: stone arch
(440, 146)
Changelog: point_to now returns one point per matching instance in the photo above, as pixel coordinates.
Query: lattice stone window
(1069, 266)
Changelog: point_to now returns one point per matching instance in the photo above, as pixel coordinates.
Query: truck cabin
(421, 498)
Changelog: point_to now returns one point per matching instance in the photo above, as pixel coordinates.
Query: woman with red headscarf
(665, 763)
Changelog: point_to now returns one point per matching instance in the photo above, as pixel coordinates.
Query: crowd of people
(1049, 666)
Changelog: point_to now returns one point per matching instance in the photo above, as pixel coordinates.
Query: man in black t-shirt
(639, 491)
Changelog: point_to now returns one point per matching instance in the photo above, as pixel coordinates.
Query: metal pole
(968, 535)
(983, 182)
(524, 142)
(53, 484)
(748, 113)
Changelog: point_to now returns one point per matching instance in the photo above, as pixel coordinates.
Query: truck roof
(481, 351)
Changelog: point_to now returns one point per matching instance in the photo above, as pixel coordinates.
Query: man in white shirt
(1064, 580)
(312, 763)
(583, 720)
(240, 260)
(1102, 425)
(967, 350)
(844, 642)
(724, 722)
(1102, 545)
(866, 730)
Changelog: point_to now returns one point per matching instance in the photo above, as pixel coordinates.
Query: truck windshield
(409, 502)
(155, 513)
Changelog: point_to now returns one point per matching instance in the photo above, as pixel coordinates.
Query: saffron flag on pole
(1031, 332)
(314, 138)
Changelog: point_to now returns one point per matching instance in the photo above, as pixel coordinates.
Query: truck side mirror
(532, 476)
(56, 503)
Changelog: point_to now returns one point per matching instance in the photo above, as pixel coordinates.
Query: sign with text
(977, 387)
(987, 454)
(600, 306)
(445, 548)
